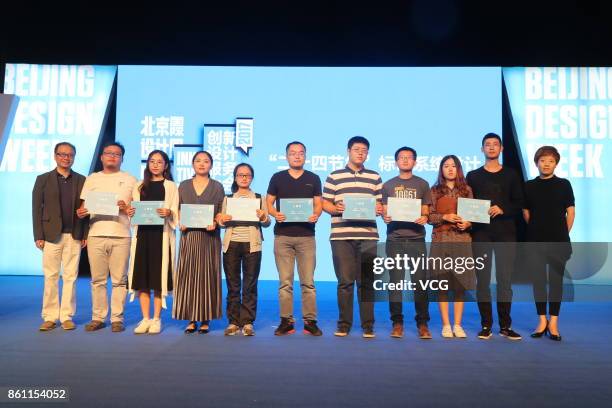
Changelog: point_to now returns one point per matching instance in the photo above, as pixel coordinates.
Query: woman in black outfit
(549, 212)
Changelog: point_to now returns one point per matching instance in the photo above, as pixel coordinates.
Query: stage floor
(105, 369)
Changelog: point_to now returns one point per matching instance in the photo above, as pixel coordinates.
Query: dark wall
(422, 33)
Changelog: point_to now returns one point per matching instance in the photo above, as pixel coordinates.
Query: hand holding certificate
(243, 209)
(197, 215)
(473, 210)
(359, 208)
(146, 213)
(101, 203)
(296, 209)
(404, 209)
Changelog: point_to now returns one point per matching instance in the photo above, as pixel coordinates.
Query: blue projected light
(571, 109)
(437, 111)
(57, 103)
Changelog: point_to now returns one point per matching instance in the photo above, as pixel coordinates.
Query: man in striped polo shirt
(353, 242)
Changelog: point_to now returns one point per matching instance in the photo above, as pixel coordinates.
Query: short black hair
(119, 145)
(357, 139)
(295, 142)
(492, 135)
(405, 149)
(57, 146)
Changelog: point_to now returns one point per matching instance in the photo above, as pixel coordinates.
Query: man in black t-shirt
(503, 187)
(295, 241)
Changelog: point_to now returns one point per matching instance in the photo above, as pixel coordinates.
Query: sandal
(191, 328)
(204, 328)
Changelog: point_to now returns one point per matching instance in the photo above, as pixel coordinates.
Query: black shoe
(285, 327)
(191, 328)
(204, 327)
(537, 335)
(117, 327)
(555, 337)
(342, 331)
(368, 333)
(510, 334)
(485, 333)
(310, 327)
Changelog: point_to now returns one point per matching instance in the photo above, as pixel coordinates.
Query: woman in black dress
(549, 212)
(152, 251)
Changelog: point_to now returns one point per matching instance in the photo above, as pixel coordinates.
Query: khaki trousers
(62, 255)
(108, 255)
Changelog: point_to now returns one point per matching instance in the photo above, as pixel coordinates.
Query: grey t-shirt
(414, 187)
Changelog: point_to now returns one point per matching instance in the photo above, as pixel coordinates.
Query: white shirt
(120, 183)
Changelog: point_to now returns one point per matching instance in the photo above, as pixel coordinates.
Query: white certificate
(359, 207)
(296, 209)
(403, 209)
(197, 215)
(101, 203)
(243, 209)
(474, 210)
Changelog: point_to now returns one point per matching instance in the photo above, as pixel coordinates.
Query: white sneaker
(143, 326)
(248, 330)
(447, 332)
(459, 332)
(231, 330)
(156, 326)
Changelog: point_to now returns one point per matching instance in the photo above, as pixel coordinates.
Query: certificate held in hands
(146, 213)
(474, 210)
(404, 209)
(197, 215)
(243, 209)
(359, 208)
(101, 203)
(296, 209)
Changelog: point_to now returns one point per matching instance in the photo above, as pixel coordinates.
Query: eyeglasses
(157, 162)
(296, 154)
(362, 151)
(111, 154)
(246, 176)
(65, 155)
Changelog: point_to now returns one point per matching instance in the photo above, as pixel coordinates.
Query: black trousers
(241, 310)
(414, 249)
(499, 237)
(553, 278)
(354, 262)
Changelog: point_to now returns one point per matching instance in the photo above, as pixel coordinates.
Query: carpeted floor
(105, 369)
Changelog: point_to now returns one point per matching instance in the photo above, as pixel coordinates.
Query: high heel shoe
(537, 335)
(204, 327)
(191, 328)
(555, 337)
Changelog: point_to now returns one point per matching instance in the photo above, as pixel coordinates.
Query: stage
(104, 369)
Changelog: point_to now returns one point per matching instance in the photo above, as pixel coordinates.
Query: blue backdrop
(435, 110)
(571, 109)
(57, 103)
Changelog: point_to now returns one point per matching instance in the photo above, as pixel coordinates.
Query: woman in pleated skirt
(197, 295)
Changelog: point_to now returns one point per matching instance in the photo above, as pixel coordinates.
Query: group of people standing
(143, 261)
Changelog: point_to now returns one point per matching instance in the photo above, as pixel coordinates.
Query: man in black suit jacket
(60, 234)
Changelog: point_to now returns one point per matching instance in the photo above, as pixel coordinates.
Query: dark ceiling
(416, 33)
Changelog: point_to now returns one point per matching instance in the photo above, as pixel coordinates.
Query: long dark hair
(234, 184)
(146, 180)
(440, 186)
